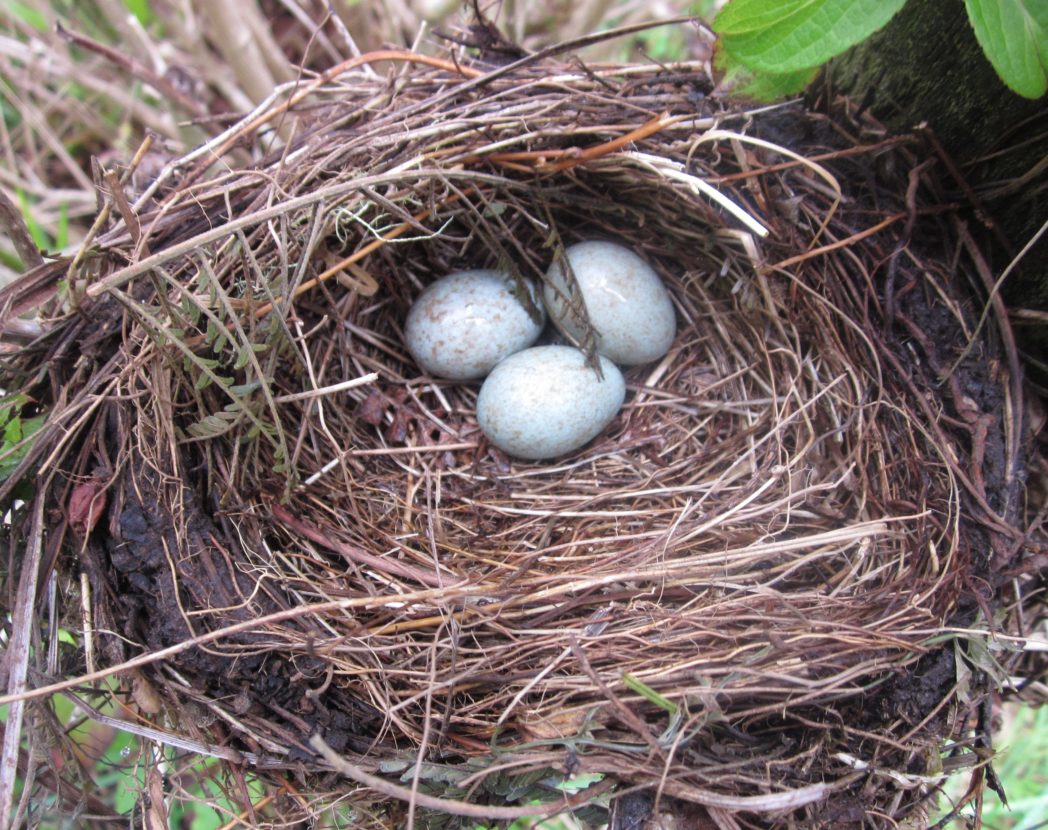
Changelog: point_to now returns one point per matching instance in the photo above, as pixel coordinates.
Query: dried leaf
(373, 408)
(155, 815)
(86, 505)
(145, 695)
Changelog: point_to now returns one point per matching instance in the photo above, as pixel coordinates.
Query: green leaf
(36, 231)
(963, 673)
(783, 36)
(580, 782)
(977, 650)
(11, 262)
(15, 430)
(769, 87)
(11, 404)
(434, 773)
(190, 309)
(645, 691)
(243, 356)
(14, 434)
(62, 231)
(210, 426)
(1014, 36)
(764, 86)
(141, 10)
(242, 389)
(27, 14)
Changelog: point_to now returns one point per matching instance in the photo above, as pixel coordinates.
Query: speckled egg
(464, 323)
(545, 401)
(627, 303)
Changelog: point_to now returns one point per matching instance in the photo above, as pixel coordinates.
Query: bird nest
(762, 591)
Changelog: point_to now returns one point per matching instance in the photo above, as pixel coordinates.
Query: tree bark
(927, 67)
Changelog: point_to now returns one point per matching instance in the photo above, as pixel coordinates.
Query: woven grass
(755, 592)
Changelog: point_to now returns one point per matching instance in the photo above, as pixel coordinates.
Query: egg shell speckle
(626, 301)
(545, 401)
(463, 324)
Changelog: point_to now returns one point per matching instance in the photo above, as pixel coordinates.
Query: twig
(116, 192)
(860, 150)
(443, 805)
(770, 803)
(574, 156)
(103, 214)
(16, 659)
(968, 191)
(161, 737)
(264, 113)
(363, 380)
(356, 256)
(353, 553)
(675, 170)
(841, 243)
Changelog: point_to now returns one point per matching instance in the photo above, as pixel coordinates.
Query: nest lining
(720, 596)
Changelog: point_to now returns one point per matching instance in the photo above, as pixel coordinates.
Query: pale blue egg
(627, 304)
(464, 323)
(545, 401)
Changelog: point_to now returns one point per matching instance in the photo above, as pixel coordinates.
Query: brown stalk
(354, 554)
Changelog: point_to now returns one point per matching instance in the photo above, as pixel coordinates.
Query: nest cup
(736, 595)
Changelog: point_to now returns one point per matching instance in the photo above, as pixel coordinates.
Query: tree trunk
(926, 66)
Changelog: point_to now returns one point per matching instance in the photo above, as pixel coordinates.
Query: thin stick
(116, 192)
(841, 243)
(222, 144)
(328, 390)
(17, 660)
(103, 214)
(161, 737)
(353, 553)
(629, 717)
(443, 805)
(572, 156)
(675, 170)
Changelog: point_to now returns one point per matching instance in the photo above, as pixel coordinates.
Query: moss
(926, 66)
